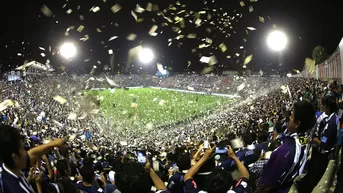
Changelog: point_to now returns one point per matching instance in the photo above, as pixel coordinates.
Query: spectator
(324, 147)
(285, 162)
(132, 178)
(87, 182)
(219, 181)
(15, 159)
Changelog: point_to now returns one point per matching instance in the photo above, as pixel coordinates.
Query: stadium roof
(37, 65)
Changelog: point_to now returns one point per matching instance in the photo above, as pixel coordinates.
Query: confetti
(261, 19)
(222, 47)
(155, 8)
(80, 28)
(251, 8)
(85, 38)
(133, 54)
(46, 11)
(113, 38)
(134, 15)
(207, 70)
(251, 28)
(111, 82)
(134, 105)
(242, 3)
(192, 36)
(162, 102)
(139, 9)
(131, 37)
(72, 116)
(149, 7)
(123, 143)
(152, 30)
(213, 60)
(5, 104)
(60, 99)
(248, 59)
(241, 87)
(149, 126)
(115, 8)
(95, 9)
(205, 59)
(69, 11)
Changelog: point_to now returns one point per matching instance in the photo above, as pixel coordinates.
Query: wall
(332, 68)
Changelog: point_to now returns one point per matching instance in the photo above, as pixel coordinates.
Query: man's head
(302, 118)
(219, 181)
(262, 136)
(87, 174)
(330, 104)
(132, 178)
(63, 168)
(12, 151)
(183, 162)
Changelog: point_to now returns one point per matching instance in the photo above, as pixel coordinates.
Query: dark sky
(307, 24)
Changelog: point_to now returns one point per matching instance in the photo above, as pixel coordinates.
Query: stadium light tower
(146, 55)
(277, 41)
(68, 50)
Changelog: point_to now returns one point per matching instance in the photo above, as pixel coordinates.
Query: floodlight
(68, 50)
(277, 41)
(146, 55)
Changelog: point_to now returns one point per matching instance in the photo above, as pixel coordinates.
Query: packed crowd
(267, 138)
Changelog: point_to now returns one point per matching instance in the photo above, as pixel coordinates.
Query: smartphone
(156, 165)
(221, 150)
(206, 145)
(141, 157)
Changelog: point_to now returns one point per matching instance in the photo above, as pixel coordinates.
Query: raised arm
(39, 151)
(158, 183)
(194, 169)
(242, 169)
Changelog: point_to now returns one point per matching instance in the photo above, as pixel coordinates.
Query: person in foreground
(220, 181)
(132, 178)
(324, 147)
(15, 159)
(286, 162)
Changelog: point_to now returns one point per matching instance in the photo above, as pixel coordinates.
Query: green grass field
(147, 107)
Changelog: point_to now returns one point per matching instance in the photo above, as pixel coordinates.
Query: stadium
(170, 97)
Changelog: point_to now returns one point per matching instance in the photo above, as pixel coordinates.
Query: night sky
(307, 24)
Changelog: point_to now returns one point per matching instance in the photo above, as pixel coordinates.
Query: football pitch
(149, 107)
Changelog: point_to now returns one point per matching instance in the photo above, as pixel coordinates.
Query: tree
(319, 54)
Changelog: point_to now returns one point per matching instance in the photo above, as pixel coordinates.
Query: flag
(309, 65)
